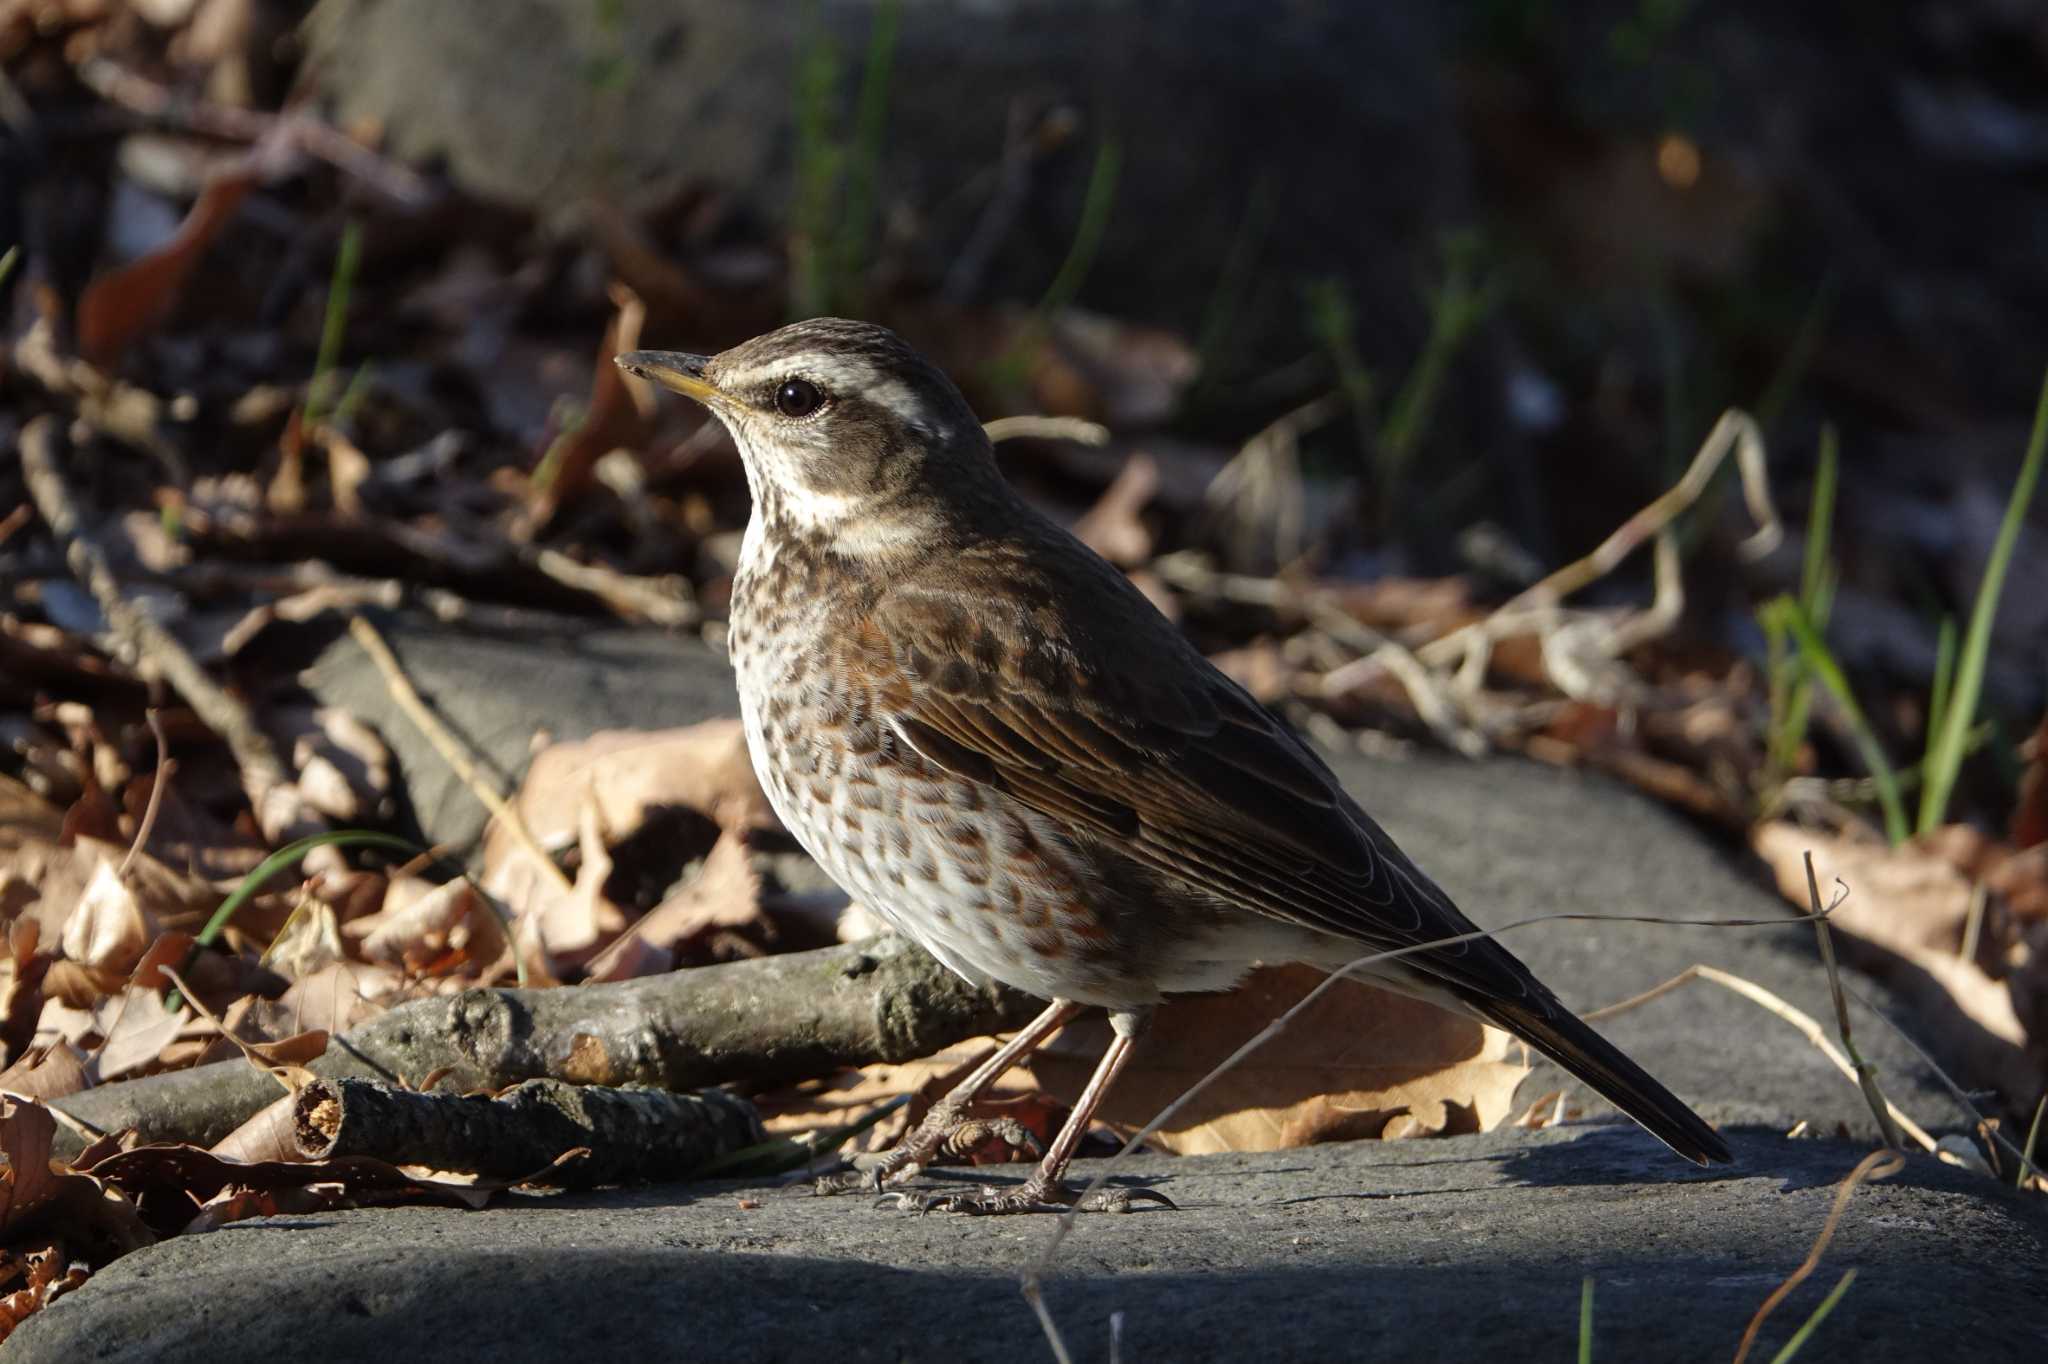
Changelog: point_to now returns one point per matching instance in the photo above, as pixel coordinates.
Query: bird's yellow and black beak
(672, 369)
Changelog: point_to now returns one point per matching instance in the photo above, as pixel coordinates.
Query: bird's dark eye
(798, 398)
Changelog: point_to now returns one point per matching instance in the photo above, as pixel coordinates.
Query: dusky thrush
(986, 735)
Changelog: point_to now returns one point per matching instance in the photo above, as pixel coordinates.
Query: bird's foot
(867, 1174)
(951, 1137)
(1031, 1196)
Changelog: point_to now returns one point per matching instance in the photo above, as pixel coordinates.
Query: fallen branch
(628, 1135)
(757, 1024)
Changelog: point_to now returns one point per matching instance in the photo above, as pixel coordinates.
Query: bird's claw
(869, 1176)
(989, 1201)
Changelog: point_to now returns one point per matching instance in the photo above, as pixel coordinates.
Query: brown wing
(1101, 716)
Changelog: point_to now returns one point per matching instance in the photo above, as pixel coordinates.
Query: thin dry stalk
(1434, 704)
(1076, 429)
(164, 768)
(1538, 609)
(1807, 1025)
(661, 601)
(1866, 1078)
(448, 746)
(1989, 1130)
(1878, 1164)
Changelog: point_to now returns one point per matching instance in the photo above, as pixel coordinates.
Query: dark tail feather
(1601, 1064)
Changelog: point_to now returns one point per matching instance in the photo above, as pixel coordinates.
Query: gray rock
(1509, 840)
(1443, 1249)
(507, 695)
(1468, 1248)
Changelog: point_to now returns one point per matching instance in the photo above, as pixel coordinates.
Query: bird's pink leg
(1042, 1192)
(907, 1157)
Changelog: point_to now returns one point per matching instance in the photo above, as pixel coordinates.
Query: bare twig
(1878, 1164)
(160, 104)
(160, 779)
(1538, 609)
(1866, 1078)
(661, 601)
(103, 403)
(450, 748)
(1079, 430)
(279, 809)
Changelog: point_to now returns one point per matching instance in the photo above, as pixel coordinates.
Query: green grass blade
(269, 867)
(1820, 1314)
(819, 160)
(1456, 309)
(1791, 686)
(334, 326)
(1820, 524)
(286, 856)
(1944, 678)
(1008, 371)
(1586, 1321)
(1799, 356)
(1224, 311)
(1945, 747)
(1821, 664)
(871, 116)
(1095, 206)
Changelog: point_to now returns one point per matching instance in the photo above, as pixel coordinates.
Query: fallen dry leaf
(571, 925)
(41, 1198)
(421, 924)
(600, 792)
(42, 877)
(45, 1273)
(2030, 814)
(617, 415)
(108, 931)
(167, 1181)
(333, 999)
(52, 1072)
(1903, 921)
(1352, 1063)
(21, 988)
(265, 1135)
(136, 1027)
(725, 894)
(127, 303)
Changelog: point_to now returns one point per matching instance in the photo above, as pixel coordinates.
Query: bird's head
(844, 429)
